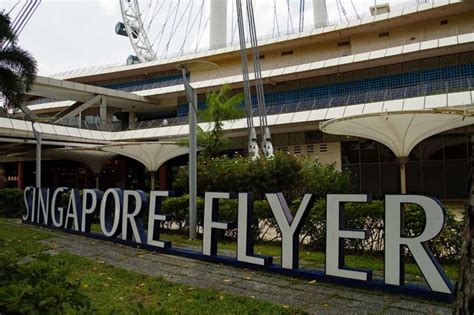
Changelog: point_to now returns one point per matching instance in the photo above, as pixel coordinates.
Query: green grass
(312, 259)
(308, 258)
(116, 289)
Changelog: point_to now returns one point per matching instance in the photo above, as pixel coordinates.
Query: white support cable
(267, 146)
(155, 13)
(252, 136)
(146, 11)
(355, 9)
(160, 34)
(13, 7)
(289, 21)
(177, 25)
(301, 17)
(339, 10)
(20, 15)
(343, 11)
(188, 32)
(28, 19)
(275, 18)
(173, 26)
(199, 26)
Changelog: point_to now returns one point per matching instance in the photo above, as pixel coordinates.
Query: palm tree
(17, 67)
(221, 105)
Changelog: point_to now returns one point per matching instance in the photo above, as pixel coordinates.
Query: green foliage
(114, 290)
(370, 217)
(17, 67)
(284, 173)
(11, 203)
(221, 105)
(39, 287)
(178, 208)
(323, 179)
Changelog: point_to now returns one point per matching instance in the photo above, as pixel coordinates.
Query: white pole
(192, 100)
(37, 136)
(320, 13)
(218, 24)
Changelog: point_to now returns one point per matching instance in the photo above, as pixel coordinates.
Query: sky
(65, 35)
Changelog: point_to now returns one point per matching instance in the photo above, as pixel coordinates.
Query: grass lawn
(312, 259)
(308, 258)
(115, 289)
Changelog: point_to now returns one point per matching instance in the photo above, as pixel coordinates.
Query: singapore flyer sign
(122, 215)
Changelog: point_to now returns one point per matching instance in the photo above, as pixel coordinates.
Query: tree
(17, 67)
(221, 105)
(464, 303)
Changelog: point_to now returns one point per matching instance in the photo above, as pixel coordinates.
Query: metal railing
(301, 104)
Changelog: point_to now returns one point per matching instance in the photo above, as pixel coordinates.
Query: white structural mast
(218, 21)
(320, 13)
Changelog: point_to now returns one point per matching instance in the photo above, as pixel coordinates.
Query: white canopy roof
(150, 154)
(92, 157)
(399, 131)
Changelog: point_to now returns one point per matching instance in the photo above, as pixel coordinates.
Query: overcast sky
(70, 34)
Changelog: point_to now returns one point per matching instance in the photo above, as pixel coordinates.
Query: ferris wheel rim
(136, 32)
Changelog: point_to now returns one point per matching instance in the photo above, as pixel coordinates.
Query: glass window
(350, 152)
(369, 152)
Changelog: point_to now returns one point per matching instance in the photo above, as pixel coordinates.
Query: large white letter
(109, 222)
(132, 209)
(335, 235)
(289, 227)
(88, 207)
(57, 214)
(418, 246)
(245, 233)
(28, 198)
(74, 211)
(153, 234)
(211, 215)
(43, 206)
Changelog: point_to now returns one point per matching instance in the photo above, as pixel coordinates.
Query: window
(384, 34)
(344, 43)
(443, 22)
(287, 52)
(262, 56)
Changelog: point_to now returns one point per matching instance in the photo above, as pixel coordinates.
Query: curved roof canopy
(400, 131)
(151, 154)
(92, 157)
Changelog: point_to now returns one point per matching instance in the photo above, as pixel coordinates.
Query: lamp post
(191, 96)
(192, 113)
(38, 138)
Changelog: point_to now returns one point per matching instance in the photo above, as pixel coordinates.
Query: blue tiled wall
(410, 84)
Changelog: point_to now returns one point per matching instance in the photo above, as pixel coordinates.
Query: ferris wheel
(167, 28)
(163, 28)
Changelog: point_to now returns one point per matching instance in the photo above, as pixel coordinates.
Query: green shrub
(284, 173)
(11, 203)
(39, 287)
(370, 217)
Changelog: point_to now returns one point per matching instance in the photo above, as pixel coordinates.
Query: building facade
(413, 58)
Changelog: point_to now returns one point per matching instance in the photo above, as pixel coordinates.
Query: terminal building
(116, 126)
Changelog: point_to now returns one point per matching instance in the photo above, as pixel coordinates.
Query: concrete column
(21, 175)
(152, 180)
(97, 180)
(132, 124)
(218, 21)
(163, 176)
(402, 161)
(320, 13)
(106, 115)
